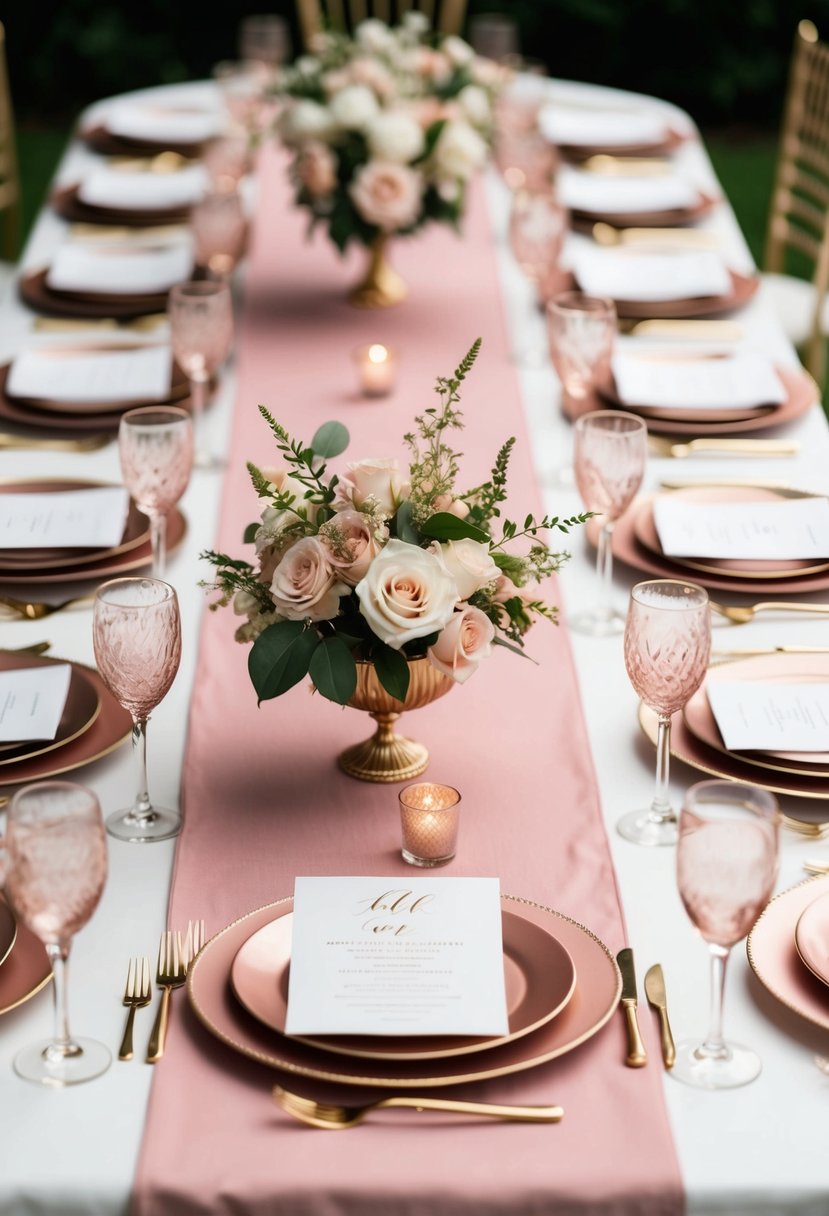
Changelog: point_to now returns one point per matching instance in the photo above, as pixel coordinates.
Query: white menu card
(763, 531)
(581, 190)
(119, 269)
(625, 274)
(392, 956)
(83, 376)
(178, 124)
(32, 701)
(704, 383)
(582, 126)
(67, 519)
(143, 191)
(757, 716)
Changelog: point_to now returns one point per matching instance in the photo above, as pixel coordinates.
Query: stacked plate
(788, 949)
(581, 131)
(562, 986)
(610, 194)
(142, 128)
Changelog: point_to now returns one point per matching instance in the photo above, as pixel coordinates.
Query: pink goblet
(201, 331)
(219, 232)
(155, 446)
(581, 330)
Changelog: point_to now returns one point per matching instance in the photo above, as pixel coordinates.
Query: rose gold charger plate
(772, 953)
(102, 141)
(71, 207)
(594, 1001)
(669, 142)
(82, 707)
(676, 217)
(110, 727)
(539, 981)
(25, 967)
(811, 938)
(36, 294)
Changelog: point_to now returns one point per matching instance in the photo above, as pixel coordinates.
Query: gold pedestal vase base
(382, 286)
(385, 756)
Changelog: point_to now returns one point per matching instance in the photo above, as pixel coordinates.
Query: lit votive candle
(429, 816)
(375, 369)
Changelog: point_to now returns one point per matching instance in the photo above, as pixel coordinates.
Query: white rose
(393, 136)
(307, 120)
(416, 22)
(459, 150)
(353, 107)
(305, 586)
(375, 480)
(374, 35)
(406, 594)
(474, 104)
(307, 65)
(463, 643)
(470, 564)
(459, 52)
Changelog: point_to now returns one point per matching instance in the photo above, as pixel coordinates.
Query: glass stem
(143, 808)
(198, 398)
(158, 541)
(661, 811)
(714, 1046)
(604, 570)
(62, 1045)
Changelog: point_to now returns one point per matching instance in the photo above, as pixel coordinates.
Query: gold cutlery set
(637, 1056)
(176, 952)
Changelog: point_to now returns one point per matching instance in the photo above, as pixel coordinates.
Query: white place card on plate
(32, 700)
(579, 190)
(757, 716)
(118, 269)
(624, 274)
(78, 375)
(392, 956)
(65, 519)
(787, 530)
(668, 380)
(138, 191)
(583, 126)
(156, 123)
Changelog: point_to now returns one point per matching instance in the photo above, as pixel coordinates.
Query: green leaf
(280, 657)
(496, 641)
(403, 524)
(444, 526)
(392, 670)
(333, 670)
(250, 533)
(331, 439)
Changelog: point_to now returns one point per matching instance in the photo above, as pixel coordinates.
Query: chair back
(445, 15)
(799, 217)
(9, 178)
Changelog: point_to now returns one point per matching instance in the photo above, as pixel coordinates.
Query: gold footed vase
(382, 287)
(387, 756)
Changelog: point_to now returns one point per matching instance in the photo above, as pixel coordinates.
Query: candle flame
(377, 353)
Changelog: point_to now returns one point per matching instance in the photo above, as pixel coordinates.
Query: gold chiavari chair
(445, 15)
(798, 230)
(9, 179)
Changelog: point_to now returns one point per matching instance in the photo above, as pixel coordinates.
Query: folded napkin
(626, 275)
(136, 191)
(178, 125)
(579, 190)
(578, 126)
(32, 701)
(741, 381)
(788, 530)
(119, 269)
(80, 375)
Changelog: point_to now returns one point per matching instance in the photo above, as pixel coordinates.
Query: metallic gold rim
(824, 1025)
(10, 946)
(408, 1082)
(800, 954)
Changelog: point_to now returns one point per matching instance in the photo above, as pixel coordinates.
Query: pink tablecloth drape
(264, 800)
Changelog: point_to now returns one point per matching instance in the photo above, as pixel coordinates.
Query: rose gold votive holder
(429, 818)
(376, 369)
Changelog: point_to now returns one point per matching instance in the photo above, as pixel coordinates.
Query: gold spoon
(336, 1118)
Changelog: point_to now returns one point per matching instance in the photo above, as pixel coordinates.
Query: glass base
(161, 824)
(598, 623)
(738, 1066)
(46, 1065)
(425, 862)
(642, 827)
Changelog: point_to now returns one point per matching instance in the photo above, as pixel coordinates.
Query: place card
(156, 123)
(578, 190)
(66, 519)
(143, 191)
(84, 375)
(665, 379)
(757, 716)
(787, 530)
(583, 126)
(625, 274)
(32, 700)
(120, 269)
(385, 956)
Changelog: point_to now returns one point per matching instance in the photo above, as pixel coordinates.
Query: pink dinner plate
(594, 1002)
(698, 418)
(773, 955)
(811, 937)
(674, 218)
(25, 970)
(538, 972)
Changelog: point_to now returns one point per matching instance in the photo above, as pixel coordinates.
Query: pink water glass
(227, 159)
(56, 867)
(243, 90)
(136, 635)
(609, 456)
(581, 331)
(537, 227)
(155, 446)
(726, 867)
(667, 650)
(201, 331)
(219, 229)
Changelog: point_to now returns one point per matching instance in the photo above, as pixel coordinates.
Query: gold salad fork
(739, 615)
(171, 973)
(336, 1118)
(137, 994)
(35, 610)
(88, 443)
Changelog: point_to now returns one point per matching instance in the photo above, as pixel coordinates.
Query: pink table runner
(264, 800)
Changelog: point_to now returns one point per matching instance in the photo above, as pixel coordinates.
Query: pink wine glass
(581, 331)
(667, 648)
(610, 451)
(537, 227)
(136, 634)
(56, 867)
(155, 445)
(726, 867)
(219, 232)
(201, 328)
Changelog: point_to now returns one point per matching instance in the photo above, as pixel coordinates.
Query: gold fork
(662, 446)
(70, 325)
(137, 994)
(171, 973)
(336, 1118)
(35, 610)
(89, 443)
(742, 615)
(697, 238)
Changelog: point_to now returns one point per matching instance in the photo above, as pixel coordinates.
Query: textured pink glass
(537, 227)
(667, 642)
(227, 159)
(201, 331)
(525, 159)
(581, 331)
(136, 633)
(155, 446)
(219, 232)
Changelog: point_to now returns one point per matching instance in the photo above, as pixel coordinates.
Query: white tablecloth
(761, 1149)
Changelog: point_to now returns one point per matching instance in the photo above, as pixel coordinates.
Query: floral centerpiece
(386, 130)
(382, 573)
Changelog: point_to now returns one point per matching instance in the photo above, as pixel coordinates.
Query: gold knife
(636, 1056)
(658, 1000)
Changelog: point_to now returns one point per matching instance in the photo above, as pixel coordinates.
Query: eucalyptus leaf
(496, 641)
(331, 439)
(444, 526)
(250, 533)
(392, 670)
(403, 524)
(333, 670)
(280, 658)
